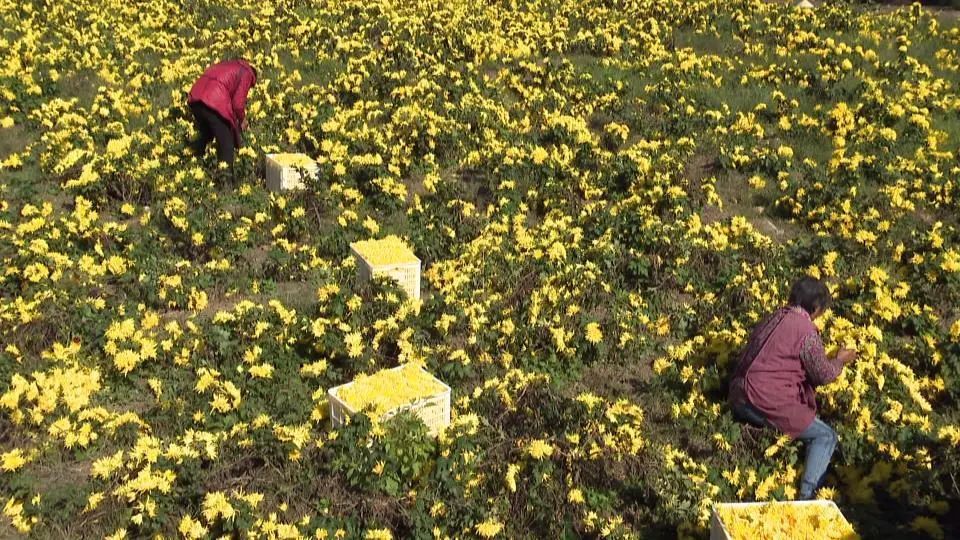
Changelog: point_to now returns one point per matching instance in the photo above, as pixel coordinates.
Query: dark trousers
(210, 126)
(745, 412)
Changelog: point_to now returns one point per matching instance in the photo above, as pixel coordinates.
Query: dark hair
(810, 294)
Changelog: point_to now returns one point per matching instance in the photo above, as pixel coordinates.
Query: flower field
(605, 197)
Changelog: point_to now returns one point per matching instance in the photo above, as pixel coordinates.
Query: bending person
(218, 100)
(775, 379)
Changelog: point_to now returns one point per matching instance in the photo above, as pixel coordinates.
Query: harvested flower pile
(293, 160)
(784, 521)
(389, 389)
(389, 250)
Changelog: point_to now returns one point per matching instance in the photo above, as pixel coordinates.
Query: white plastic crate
(284, 171)
(719, 532)
(407, 275)
(433, 410)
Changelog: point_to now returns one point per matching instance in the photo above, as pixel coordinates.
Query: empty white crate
(406, 274)
(719, 532)
(284, 171)
(434, 410)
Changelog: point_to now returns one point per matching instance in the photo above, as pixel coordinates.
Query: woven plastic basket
(407, 275)
(719, 532)
(282, 176)
(433, 410)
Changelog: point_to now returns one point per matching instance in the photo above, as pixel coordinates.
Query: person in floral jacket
(779, 369)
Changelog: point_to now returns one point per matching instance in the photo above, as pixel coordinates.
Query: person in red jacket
(774, 381)
(218, 100)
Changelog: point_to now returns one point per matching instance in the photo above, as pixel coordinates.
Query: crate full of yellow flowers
(284, 171)
(388, 392)
(390, 257)
(788, 520)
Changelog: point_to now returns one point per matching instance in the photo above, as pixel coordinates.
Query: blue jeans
(821, 440)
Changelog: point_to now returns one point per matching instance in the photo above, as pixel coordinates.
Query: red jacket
(223, 87)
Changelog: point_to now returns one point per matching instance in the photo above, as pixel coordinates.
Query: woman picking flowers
(783, 362)
(218, 100)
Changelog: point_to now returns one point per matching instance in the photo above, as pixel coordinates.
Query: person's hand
(846, 356)
(244, 125)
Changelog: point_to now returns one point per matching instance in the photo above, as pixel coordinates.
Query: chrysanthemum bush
(604, 200)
